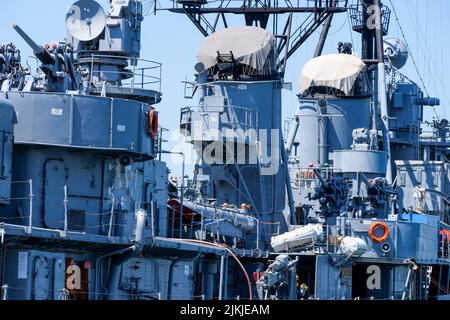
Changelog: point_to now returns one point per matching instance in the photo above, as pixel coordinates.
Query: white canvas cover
(250, 46)
(338, 71)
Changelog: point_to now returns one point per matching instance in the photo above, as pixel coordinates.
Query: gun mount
(279, 280)
(107, 47)
(12, 74)
(58, 73)
(39, 51)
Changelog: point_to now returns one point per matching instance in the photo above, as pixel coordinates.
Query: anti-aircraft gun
(332, 194)
(279, 281)
(57, 72)
(12, 74)
(40, 52)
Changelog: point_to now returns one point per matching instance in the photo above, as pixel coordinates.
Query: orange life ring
(152, 125)
(376, 238)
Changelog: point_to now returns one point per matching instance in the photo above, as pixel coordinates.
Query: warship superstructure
(84, 198)
(348, 199)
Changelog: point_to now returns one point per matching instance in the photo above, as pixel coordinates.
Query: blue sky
(173, 40)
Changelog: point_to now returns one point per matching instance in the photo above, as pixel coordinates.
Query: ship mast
(371, 19)
(207, 15)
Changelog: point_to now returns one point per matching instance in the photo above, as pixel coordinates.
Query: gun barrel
(321, 179)
(39, 51)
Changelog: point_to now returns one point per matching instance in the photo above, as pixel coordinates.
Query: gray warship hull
(349, 201)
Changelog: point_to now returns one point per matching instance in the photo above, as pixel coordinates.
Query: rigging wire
(223, 247)
(412, 56)
(426, 41)
(442, 53)
(427, 52)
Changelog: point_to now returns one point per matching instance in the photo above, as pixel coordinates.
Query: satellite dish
(396, 52)
(85, 20)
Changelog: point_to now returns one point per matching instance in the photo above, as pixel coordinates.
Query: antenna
(85, 20)
(396, 52)
(199, 67)
(207, 15)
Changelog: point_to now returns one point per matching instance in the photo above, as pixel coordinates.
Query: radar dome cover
(337, 71)
(251, 46)
(396, 52)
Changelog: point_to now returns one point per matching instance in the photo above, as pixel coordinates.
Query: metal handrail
(357, 16)
(307, 173)
(288, 3)
(29, 226)
(141, 78)
(30, 198)
(250, 116)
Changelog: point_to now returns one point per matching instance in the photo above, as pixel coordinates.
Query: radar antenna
(206, 16)
(85, 20)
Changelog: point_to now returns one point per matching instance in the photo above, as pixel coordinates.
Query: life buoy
(376, 238)
(152, 125)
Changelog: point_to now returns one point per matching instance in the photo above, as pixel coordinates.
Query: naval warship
(348, 199)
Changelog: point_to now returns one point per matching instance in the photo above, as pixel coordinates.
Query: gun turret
(40, 52)
(57, 73)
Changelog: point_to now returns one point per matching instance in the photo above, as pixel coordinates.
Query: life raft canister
(152, 125)
(383, 237)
